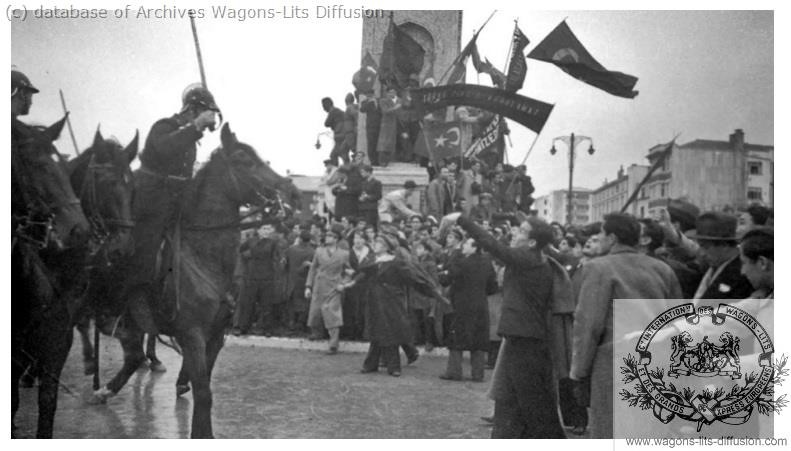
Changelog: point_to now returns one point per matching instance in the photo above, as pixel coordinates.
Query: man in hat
(371, 194)
(325, 275)
(298, 259)
(715, 233)
(21, 94)
(167, 162)
(394, 207)
(757, 253)
(21, 100)
(334, 122)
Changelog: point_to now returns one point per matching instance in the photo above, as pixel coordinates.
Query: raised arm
(522, 257)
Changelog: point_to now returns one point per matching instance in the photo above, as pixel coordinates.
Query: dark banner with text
(531, 113)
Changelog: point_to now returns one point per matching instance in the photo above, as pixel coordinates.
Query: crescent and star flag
(401, 57)
(517, 69)
(364, 79)
(439, 140)
(488, 145)
(562, 48)
(531, 113)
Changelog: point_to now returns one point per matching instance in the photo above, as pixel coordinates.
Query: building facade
(552, 207)
(713, 175)
(612, 195)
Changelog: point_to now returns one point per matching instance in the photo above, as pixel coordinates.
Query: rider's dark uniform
(167, 162)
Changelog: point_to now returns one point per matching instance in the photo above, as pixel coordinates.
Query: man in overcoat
(623, 273)
(325, 275)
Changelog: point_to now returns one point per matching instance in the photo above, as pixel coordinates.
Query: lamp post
(572, 142)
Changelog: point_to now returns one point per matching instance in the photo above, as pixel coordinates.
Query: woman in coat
(354, 298)
(471, 279)
(325, 274)
(386, 318)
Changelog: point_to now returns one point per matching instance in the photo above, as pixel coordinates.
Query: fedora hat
(714, 226)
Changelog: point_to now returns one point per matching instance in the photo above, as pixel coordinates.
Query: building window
(662, 190)
(642, 212)
(755, 167)
(642, 193)
(754, 194)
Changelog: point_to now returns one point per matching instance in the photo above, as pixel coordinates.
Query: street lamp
(572, 142)
(318, 138)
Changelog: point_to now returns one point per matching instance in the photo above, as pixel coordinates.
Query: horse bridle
(235, 181)
(102, 228)
(31, 228)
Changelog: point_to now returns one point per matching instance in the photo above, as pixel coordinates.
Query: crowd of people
(528, 299)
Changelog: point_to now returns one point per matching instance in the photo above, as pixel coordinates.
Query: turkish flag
(562, 48)
(439, 140)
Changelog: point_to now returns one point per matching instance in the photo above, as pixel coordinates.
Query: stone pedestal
(395, 174)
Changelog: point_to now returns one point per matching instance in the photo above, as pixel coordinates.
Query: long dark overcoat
(471, 279)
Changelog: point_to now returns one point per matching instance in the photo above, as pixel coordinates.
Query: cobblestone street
(264, 392)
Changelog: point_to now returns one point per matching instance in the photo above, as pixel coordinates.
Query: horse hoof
(157, 367)
(182, 389)
(100, 396)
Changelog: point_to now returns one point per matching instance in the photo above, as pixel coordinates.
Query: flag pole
(197, 49)
(68, 122)
(648, 175)
(524, 159)
(456, 60)
(510, 48)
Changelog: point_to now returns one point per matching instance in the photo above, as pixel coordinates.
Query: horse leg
(17, 369)
(83, 327)
(132, 344)
(155, 365)
(51, 365)
(193, 345)
(183, 381)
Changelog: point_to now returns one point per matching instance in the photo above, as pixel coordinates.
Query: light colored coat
(621, 274)
(326, 272)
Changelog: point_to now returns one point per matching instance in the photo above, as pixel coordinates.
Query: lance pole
(197, 49)
(68, 122)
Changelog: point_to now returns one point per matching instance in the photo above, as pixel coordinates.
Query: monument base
(395, 174)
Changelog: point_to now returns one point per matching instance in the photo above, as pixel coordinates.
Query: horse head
(42, 188)
(104, 180)
(253, 182)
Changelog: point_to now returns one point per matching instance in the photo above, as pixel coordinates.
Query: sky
(702, 74)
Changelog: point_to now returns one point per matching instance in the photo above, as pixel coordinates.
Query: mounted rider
(167, 162)
(21, 100)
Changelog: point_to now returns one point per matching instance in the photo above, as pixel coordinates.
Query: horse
(102, 176)
(194, 304)
(50, 234)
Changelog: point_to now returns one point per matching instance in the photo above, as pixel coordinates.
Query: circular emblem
(713, 354)
(566, 55)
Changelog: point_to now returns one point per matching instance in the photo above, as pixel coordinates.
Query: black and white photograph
(395, 220)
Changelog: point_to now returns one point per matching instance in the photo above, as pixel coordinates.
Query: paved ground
(265, 392)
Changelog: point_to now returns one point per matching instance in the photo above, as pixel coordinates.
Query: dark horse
(49, 247)
(102, 177)
(194, 304)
